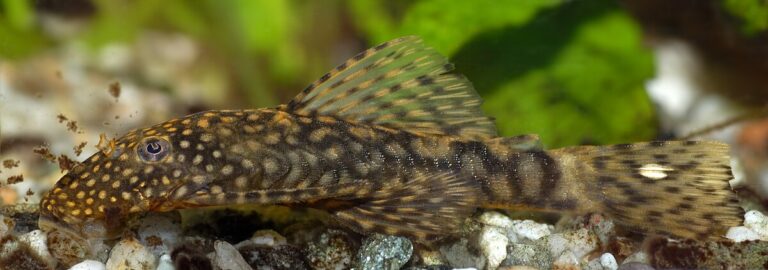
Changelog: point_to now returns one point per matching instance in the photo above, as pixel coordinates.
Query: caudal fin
(677, 188)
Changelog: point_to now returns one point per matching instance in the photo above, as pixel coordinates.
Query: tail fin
(677, 188)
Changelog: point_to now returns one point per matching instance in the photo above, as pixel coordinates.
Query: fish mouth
(66, 243)
(83, 231)
(51, 224)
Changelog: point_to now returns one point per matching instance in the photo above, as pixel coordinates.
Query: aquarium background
(574, 72)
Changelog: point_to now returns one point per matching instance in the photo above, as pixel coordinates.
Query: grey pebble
(384, 252)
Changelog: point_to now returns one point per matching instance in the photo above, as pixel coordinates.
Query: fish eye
(153, 149)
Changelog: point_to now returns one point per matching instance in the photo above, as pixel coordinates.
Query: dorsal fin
(401, 84)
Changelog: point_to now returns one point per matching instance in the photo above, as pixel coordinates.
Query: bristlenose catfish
(390, 142)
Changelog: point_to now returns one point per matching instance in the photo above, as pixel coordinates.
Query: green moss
(753, 14)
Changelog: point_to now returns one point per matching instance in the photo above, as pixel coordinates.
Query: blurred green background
(571, 71)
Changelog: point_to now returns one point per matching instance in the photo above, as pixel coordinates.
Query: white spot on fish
(655, 171)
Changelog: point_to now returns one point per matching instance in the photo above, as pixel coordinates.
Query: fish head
(134, 174)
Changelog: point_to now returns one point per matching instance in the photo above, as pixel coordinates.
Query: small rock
(160, 231)
(602, 227)
(605, 262)
(267, 249)
(37, 240)
(166, 263)
(17, 255)
(493, 245)
(494, 218)
(758, 223)
(99, 249)
(529, 230)
(89, 265)
(430, 257)
(130, 254)
(282, 257)
(529, 255)
(567, 260)
(459, 255)
(593, 265)
(227, 257)
(432, 267)
(608, 262)
(579, 242)
(330, 251)
(384, 252)
(267, 238)
(635, 266)
(741, 234)
(518, 267)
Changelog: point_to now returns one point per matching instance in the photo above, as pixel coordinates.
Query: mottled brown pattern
(388, 142)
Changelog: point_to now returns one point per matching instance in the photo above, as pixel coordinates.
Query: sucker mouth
(50, 224)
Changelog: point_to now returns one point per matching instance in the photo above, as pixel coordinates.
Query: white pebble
(129, 253)
(758, 223)
(519, 267)
(593, 265)
(530, 230)
(165, 263)
(89, 265)
(99, 249)
(432, 257)
(608, 262)
(579, 242)
(557, 244)
(162, 227)
(459, 255)
(493, 245)
(227, 257)
(495, 219)
(741, 234)
(38, 241)
(567, 260)
(267, 238)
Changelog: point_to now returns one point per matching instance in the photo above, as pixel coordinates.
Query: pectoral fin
(423, 209)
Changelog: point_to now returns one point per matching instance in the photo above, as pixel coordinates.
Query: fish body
(389, 142)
